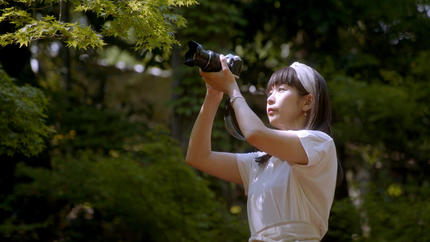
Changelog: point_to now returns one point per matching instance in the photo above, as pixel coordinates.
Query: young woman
(291, 183)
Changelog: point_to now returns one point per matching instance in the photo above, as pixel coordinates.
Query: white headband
(306, 76)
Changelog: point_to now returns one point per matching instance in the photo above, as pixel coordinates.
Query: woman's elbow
(252, 137)
(192, 163)
(189, 160)
(195, 160)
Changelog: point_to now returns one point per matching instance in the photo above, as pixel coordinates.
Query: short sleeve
(317, 145)
(245, 163)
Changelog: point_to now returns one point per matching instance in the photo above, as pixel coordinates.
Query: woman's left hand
(223, 80)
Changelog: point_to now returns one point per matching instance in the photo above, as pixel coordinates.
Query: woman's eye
(282, 88)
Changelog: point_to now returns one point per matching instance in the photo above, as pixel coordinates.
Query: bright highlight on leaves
(394, 190)
(235, 209)
(148, 24)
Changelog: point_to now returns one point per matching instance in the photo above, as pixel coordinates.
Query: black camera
(209, 61)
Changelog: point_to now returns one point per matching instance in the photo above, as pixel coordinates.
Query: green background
(96, 107)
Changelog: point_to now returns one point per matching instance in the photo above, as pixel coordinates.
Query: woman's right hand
(222, 80)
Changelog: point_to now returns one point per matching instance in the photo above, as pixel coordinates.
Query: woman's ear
(307, 102)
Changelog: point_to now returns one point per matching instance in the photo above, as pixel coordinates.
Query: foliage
(395, 213)
(86, 127)
(213, 24)
(22, 114)
(394, 110)
(48, 27)
(344, 222)
(92, 197)
(399, 213)
(148, 24)
(373, 54)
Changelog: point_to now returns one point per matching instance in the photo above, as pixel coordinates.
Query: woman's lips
(271, 111)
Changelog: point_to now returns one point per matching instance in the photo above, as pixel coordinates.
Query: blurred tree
(22, 113)
(87, 196)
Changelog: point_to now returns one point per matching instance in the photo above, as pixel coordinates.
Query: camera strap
(230, 121)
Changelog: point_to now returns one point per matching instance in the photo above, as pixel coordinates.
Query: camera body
(209, 61)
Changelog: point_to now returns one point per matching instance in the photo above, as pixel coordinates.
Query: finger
(223, 62)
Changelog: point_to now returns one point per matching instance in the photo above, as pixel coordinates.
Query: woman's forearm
(250, 124)
(199, 146)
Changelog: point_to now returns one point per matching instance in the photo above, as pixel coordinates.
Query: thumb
(224, 65)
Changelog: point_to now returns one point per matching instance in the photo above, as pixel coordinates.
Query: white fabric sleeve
(245, 162)
(317, 145)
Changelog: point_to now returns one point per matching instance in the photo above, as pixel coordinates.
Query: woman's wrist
(232, 99)
(214, 96)
(234, 91)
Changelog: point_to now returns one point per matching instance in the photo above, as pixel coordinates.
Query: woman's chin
(278, 125)
(274, 124)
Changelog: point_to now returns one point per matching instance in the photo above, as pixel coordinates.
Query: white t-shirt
(291, 202)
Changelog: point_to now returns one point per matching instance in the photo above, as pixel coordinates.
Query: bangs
(286, 75)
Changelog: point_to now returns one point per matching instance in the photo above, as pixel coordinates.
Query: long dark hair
(319, 117)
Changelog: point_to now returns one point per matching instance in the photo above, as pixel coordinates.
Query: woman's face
(285, 107)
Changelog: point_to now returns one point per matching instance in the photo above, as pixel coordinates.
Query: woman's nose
(271, 100)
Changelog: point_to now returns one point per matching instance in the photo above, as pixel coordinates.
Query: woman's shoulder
(316, 134)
